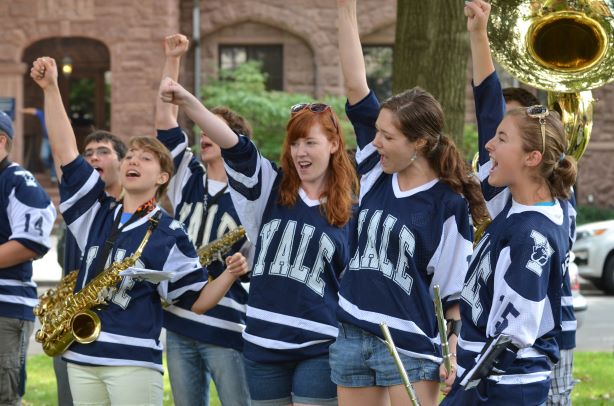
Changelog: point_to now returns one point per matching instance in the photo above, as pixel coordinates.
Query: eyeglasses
(315, 108)
(540, 112)
(100, 151)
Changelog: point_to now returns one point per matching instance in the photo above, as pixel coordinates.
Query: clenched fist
(176, 45)
(44, 72)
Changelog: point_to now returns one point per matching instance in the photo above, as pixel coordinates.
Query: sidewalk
(46, 273)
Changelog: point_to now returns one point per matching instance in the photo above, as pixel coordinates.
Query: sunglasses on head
(315, 108)
(540, 112)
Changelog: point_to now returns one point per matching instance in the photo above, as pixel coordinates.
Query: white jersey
(26, 216)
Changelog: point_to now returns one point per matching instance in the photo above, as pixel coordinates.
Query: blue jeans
(14, 339)
(191, 365)
(361, 359)
(307, 381)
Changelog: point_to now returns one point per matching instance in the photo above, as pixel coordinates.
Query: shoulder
(529, 232)
(451, 201)
(26, 187)
(170, 227)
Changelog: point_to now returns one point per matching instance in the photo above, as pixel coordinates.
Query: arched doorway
(84, 81)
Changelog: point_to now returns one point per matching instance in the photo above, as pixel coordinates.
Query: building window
(378, 62)
(270, 56)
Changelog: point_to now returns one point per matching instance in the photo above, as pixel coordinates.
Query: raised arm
(350, 52)
(61, 135)
(212, 125)
(175, 46)
(477, 12)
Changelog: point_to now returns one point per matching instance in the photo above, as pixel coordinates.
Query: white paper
(148, 275)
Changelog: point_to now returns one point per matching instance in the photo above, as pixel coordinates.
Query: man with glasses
(104, 151)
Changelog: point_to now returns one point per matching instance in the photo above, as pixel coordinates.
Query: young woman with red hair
(298, 216)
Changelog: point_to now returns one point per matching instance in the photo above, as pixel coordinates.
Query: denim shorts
(361, 359)
(307, 381)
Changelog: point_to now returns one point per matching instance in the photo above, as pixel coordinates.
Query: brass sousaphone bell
(565, 47)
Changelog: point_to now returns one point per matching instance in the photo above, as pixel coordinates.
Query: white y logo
(30, 180)
(542, 251)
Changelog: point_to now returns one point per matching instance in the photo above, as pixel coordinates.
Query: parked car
(580, 304)
(594, 251)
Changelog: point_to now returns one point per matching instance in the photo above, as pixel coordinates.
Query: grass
(593, 370)
(41, 389)
(595, 373)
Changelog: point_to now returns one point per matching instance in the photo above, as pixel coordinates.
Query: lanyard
(141, 212)
(214, 200)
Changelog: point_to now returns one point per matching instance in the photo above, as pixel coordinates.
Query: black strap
(454, 327)
(206, 205)
(4, 164)
(101, 259)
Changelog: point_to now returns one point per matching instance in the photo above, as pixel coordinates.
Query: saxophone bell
(85, 326)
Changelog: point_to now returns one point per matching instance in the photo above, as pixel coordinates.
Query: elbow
(356, 92)
(197, 308)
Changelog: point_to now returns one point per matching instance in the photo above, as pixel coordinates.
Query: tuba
(565, 47)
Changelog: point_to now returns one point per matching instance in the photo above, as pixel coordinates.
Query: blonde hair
(558, 169)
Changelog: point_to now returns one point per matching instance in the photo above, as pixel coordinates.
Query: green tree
(431, 51)
(243, 90)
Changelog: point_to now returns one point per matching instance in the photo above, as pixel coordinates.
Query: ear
(163, 178)
(420, 143)
(533, 159)
(334, 146)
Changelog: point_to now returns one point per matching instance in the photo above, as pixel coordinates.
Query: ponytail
(452, 170)
(563, 177)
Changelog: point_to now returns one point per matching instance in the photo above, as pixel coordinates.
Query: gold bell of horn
(565, 47)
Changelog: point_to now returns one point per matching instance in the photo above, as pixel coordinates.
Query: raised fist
(176, 45)
(44, 72)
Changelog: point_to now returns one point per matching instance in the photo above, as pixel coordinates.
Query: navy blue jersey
(72, 253)
(132, 321)
(224, 324)
(405, 242)
(26, 216)
(298, 259)
(513, 287)
(490, 110)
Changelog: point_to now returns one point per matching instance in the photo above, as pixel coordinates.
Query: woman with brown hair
(414, 231)
(511, 308)
(124, 364)
(298, 215)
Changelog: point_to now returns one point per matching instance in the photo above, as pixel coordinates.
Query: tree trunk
(431, 51)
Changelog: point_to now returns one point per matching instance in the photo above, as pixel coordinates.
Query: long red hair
(341, 181)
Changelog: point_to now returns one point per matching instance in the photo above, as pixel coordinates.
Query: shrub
(243, 90)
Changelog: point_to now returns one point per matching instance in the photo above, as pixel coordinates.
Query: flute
(397, 360)
(443, 333)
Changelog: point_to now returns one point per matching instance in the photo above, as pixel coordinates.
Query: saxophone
(210, 252)
(66, 318)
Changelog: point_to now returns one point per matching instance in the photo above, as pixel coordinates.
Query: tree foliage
(243, 90)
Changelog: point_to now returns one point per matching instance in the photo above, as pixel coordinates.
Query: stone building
(114, 48)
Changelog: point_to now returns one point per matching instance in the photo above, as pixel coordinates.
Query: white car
(580, 304)
(594, 251)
